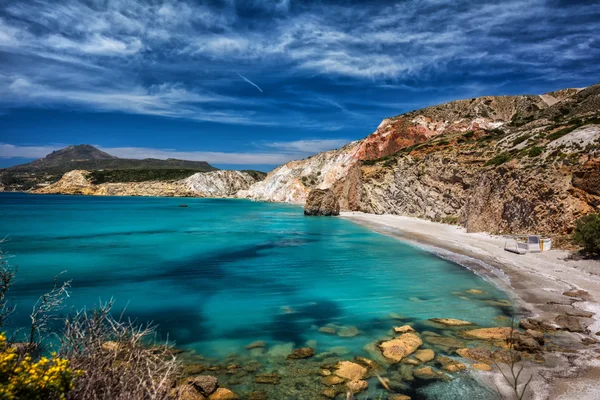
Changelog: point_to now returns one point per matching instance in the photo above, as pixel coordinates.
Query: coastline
(536, 282)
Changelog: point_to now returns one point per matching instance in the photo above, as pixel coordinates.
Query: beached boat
(522, 244)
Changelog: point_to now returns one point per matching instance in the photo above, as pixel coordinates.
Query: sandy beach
(537, 283)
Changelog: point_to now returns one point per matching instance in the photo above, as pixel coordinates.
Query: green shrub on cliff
(587, 233)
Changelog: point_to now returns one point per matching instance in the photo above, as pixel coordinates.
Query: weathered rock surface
(425, 355)
(357, 386)
(350, 371)
(536, 324)
(223, 394)
(400, 347)
(205, 384)
(322, 202)
(488, 333)
(403, 329)
(568, 323)
(426, 373)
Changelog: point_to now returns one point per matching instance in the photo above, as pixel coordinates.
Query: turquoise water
(219, 274)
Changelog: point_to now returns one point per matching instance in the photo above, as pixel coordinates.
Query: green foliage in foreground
(587, 233)
(139, 175)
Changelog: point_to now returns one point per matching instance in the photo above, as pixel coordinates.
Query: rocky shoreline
(554, 293)
(415, 358)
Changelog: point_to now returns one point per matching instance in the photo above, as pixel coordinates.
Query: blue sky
(252, 84)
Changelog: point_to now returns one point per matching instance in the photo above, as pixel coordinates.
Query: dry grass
(119, 359)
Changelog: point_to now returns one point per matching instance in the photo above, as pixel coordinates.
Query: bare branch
(45, 310)
(7, 275)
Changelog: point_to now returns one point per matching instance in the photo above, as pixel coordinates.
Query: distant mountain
(85, 157)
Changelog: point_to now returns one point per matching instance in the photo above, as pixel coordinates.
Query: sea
(215, 275)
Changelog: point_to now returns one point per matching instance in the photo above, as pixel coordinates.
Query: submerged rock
(257, 395)
(330, 330)
(348, 331)
(357, 386)
(322, 202)
(475, 291)
(455, 367)
(400, 347)
(223, 394)
(259, 344)
(482, 367)
(444, 341)
(426, 373)
(425, 355)
(303, 352)
(451, 322)
(268, 379)
(395, 396)
(350, 371)
(332, 380)
(476, 354)
(403, 329)
(488, 333)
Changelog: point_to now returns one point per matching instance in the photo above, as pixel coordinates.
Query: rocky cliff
(507, 164)
(202, 184)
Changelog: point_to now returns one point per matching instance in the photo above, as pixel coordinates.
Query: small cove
(220, 274)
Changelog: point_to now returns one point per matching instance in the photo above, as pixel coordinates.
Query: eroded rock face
(202, 184)
(322, 202)
(489, 164)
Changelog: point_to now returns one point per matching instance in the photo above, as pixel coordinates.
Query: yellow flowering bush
(25, 379)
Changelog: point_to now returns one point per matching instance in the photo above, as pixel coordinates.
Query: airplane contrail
(249, 81)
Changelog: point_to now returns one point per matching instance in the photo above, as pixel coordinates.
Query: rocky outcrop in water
(506, 164)
(203, 184)
(322, 202)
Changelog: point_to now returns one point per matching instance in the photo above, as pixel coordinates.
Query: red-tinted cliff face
(390, 137)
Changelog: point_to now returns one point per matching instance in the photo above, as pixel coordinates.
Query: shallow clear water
(219, 274)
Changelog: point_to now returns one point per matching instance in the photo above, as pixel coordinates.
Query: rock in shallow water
(400, 347)
(488, 333)
(349, 370)
(425, 355)
(451, 322)
(303, 352)
(205, 384)
(223, 394)
(322, 202)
